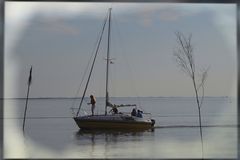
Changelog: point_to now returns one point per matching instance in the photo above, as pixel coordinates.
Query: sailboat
(114, 120)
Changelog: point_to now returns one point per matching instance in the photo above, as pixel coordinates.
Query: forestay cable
(105, 21)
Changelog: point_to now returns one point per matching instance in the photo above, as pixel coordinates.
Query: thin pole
(29, 83)
(108, 50)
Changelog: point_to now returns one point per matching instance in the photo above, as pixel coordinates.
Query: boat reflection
(102, 141)
(111, 135)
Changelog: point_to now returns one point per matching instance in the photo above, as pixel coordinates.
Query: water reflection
(111, 135)
(105, 140)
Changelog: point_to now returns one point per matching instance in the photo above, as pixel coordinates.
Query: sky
(58, 39)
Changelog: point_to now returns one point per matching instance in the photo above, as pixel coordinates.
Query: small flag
(30, 77)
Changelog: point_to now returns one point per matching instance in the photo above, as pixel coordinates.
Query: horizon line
(115, 97)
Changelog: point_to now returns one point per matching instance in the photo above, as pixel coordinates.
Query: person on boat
(92, 102)
(139, 114)
(134, 112)
(115, 110)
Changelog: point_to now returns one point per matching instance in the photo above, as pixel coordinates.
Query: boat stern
(153, 122)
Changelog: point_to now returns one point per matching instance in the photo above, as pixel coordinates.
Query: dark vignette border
(2, 11)
(1, 74)
(238, 77)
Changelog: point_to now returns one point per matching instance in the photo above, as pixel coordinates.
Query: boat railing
(130, 113)
(127, 105)
(74, 111)
(120, 105)
(146, 115)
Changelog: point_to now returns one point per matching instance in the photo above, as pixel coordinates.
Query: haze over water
(51, 128)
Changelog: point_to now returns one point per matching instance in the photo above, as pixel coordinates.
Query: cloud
(166, 12)
(18, 16)
(58, 25)
(225, 20)
(170, 15)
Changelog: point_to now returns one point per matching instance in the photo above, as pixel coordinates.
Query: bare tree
(185, 59)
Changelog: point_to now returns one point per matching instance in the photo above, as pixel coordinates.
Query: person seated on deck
(114, 109)
(134, 113)
(139, 114)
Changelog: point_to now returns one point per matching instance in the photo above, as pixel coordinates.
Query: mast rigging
(100, 39)
(108, 51)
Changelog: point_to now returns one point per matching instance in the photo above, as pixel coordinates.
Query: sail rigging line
(112, 80)
(128, 65)
(108, 52)
(105, 21)
(85, 72)
(113, 68)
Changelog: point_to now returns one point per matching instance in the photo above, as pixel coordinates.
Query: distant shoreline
(117, 97)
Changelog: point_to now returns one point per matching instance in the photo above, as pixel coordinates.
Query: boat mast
(108, 49)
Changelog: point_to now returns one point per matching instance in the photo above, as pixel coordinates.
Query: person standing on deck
(92, 102)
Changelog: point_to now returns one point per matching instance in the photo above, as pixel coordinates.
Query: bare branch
(184, 55)
(203, 79)
(182, 63)
(185, 60)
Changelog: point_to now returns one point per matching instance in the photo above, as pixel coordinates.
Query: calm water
(50, 127)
